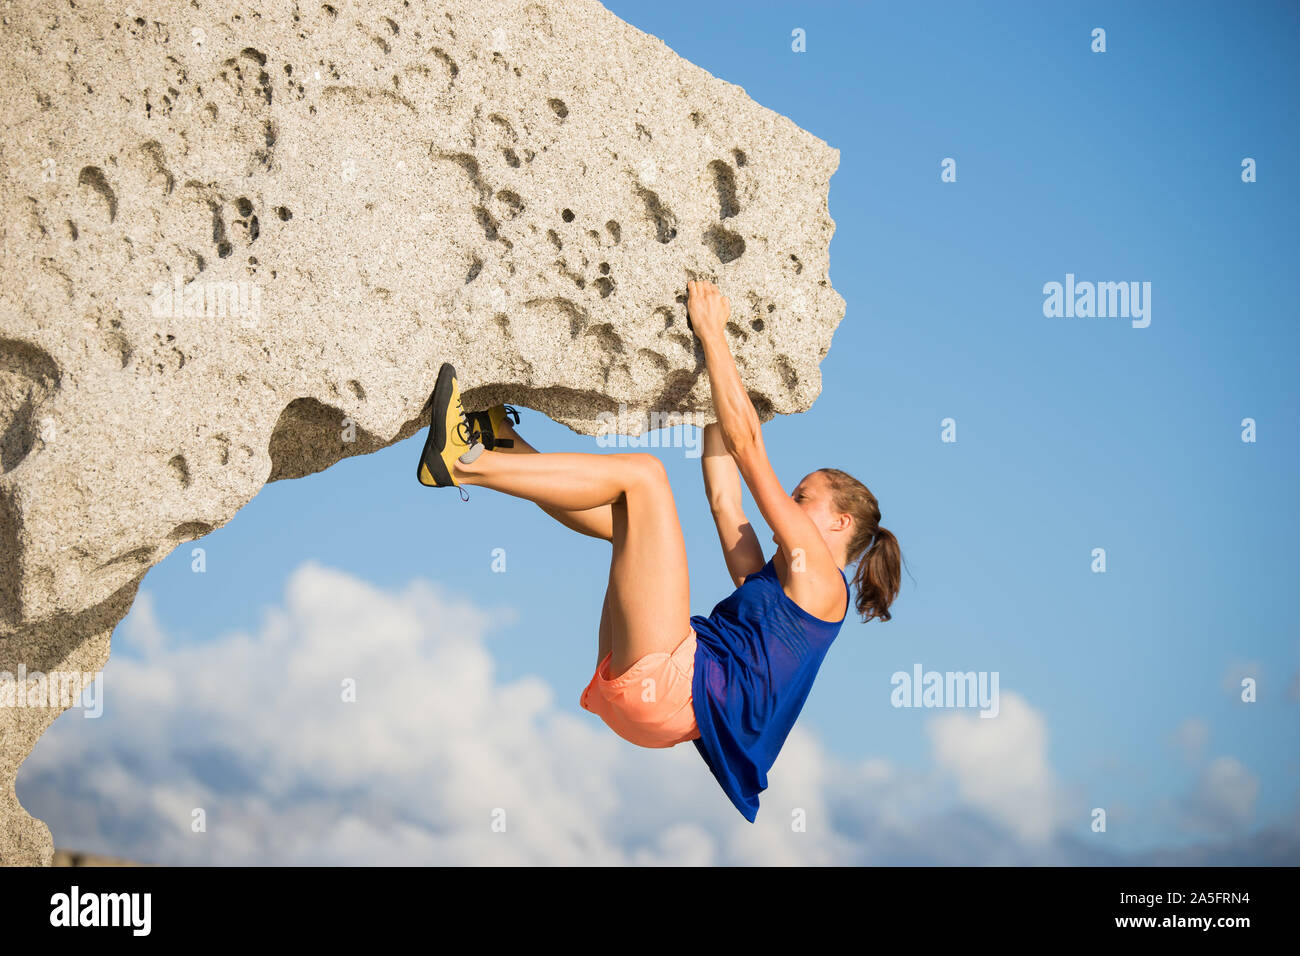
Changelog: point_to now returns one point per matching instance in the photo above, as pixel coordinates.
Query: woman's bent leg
(650, 585)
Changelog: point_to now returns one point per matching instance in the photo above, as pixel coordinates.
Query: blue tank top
(756, 656)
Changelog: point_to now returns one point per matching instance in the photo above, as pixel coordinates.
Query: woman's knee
(646, 471)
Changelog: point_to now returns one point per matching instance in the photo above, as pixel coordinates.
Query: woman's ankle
(520, 446)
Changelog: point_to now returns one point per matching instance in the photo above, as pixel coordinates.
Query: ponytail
(879, 572)
(878, 576)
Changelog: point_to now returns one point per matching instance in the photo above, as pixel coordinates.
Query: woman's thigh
(649, 592)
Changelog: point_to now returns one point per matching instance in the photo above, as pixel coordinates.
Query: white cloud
(253, 729)
(1001, 767)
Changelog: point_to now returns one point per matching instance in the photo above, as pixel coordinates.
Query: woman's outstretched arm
(740, 546)
(798, 538)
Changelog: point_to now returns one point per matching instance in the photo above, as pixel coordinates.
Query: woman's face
(814, 496)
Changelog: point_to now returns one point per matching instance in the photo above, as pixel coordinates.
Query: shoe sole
(431, 462)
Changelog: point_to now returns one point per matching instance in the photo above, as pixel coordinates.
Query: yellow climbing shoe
(453, 433)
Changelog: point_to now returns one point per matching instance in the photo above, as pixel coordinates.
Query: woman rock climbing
(732, 682)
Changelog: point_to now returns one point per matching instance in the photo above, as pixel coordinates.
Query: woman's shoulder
(825, 601)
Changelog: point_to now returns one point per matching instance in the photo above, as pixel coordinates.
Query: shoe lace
(467, 429)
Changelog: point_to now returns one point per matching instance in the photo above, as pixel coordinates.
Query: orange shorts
(650, 703)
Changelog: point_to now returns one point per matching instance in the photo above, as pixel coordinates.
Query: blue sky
(1072, 434)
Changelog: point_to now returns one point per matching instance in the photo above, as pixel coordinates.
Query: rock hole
(798, 266)
(475, 268)
(756, 325)
(567, 215)
(141, 555)
(607, 340)
(468, 163)
(189, 531)
(448, 62)
(283, 213)
(514, 205)
(697, 117)
(154, 151)
(558, 106)
(726, 245)
(218, 226)
(740, 157)
(665, 222)
(93, 177)
(788, 375)
(725, 181)
(123, 347)
(604, 285)
(552, 235)
(72, 230)
(512, 158)
(357, 390)
(181, 469)
(27, 376)
(656, 359)
(615, 230)
(244, 206)
(487, 222)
